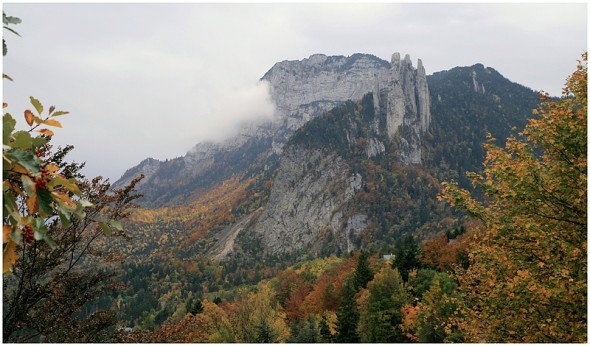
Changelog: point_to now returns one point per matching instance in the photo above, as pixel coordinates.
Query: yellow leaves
(64, 199)
(60, 181)
(52, 169)
(52, 122)
(9, 256)
(32, 204)
(533, 245)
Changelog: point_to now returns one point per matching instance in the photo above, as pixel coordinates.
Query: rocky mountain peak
(301, 91)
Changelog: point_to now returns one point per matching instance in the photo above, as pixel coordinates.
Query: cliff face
(301, 90)
(312, 203)
(306, 202)
(314, 184)
(407, 107)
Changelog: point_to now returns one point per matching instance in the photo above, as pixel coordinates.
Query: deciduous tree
(53, 222)
(527, 279)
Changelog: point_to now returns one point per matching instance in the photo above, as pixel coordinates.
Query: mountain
(352, 159)
(301, 91)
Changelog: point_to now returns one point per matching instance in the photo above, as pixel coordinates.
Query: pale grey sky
(152, 80)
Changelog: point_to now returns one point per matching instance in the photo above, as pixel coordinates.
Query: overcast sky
(152, 80)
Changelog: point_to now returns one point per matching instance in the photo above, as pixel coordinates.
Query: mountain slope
(467, 103)
(339, 186)
(344, 182)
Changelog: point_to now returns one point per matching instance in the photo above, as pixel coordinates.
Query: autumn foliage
(527, 279)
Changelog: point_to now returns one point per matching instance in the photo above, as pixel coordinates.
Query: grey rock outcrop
(407, 107)
(321, 78)
(305, 200)
(311, 188)
(302, 90)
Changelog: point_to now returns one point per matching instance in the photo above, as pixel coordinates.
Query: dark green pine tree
(362, 273)
(347, 315)
(264, 333)
(305, 332)
(196, 307)
(381, 320)
(406, 254)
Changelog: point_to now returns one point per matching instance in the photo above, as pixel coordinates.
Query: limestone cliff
(301, 91)
(312, 202)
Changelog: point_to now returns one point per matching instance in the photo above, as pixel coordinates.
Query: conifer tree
(380, 315)
(406, 253)
(325, 334)
(362, 274)
(347, 315)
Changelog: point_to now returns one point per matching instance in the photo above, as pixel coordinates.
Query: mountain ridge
(297, 100)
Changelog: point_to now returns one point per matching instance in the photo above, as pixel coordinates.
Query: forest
(504, 261)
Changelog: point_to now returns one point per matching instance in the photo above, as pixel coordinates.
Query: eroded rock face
(407, 107)
(320, 78)
(310, 187)
(302, 90)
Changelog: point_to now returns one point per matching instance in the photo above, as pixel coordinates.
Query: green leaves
(22, 159)
(8, 124)
(10, 20)
(38, 106)
(45, 200)
(107, 227)
(58, 113)
(22, 140)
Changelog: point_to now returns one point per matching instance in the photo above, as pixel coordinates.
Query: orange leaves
(6, 229)
(29, 117)
(9, 256)
(46, 132)
(528, 260)
(202, 213)
(410, 321)
(441, 254)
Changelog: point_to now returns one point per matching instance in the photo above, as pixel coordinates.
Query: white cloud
(238, 106)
